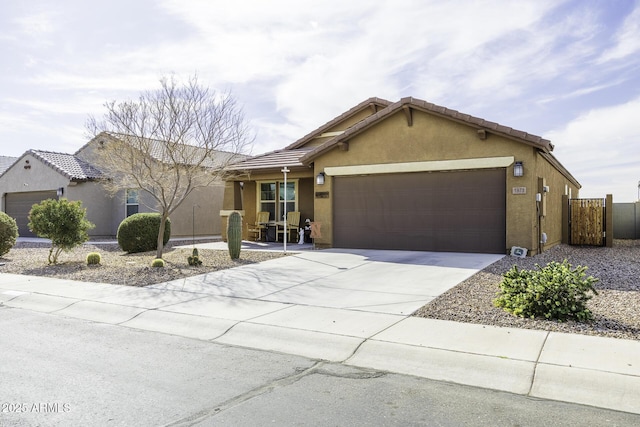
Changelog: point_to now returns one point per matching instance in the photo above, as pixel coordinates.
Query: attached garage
(455, 211)
(412, 175)
(18, 206)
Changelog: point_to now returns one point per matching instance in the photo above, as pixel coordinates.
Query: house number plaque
(519, 190)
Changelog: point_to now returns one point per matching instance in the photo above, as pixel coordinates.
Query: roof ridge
(318, 131)
(35, 150)
(163, 141)
(87, 171)
(472, 119)
(534, 140)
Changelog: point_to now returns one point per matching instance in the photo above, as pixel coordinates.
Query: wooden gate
(587, 222)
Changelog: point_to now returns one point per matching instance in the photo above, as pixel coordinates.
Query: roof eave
(556, 164)
(477, 123)
(270, 168)
(368, 103)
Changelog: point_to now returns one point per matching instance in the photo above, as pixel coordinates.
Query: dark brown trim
(375, 104)
(408, 113)
(411, 103)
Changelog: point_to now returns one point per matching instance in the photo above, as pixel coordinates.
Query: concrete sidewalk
(354, 307)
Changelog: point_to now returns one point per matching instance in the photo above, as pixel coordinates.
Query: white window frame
(278, 183)
(127, 203)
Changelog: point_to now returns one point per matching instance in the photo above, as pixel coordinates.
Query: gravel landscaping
(118, 267)
(615, 308)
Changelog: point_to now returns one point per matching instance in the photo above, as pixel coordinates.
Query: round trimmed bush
(139, 232)
(157, 263)
(93, 258)
(8, 233)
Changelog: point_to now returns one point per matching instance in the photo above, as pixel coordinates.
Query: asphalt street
(61, 371)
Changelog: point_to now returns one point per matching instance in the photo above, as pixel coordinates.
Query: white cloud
(580, 92)
(600, 148)
(627, 38)
(530, 64)
(36, 25)
(408, 48)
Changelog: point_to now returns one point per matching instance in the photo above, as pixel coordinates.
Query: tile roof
(68, 165)
(274, 160)
(296, 155)
(413, 103)
(375, 103)
(6, 162)
(191, 153)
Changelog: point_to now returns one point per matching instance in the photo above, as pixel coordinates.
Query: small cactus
(194, 259)
(234, 234)
(158, 263)
(93, 258)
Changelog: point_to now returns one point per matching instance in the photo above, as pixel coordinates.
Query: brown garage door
(18, 205)
(458, 211)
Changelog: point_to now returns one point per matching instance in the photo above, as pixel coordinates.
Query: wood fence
(589, 221)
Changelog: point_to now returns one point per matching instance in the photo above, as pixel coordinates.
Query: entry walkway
(354, 307)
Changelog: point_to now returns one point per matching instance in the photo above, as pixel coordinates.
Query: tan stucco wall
(97, 202)
(208, 203)
(341, 126)
(431, 139)
(551, 223)
(207, 220)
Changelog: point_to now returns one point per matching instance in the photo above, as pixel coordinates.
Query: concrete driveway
(354, 307)
(391, 282)
(319, 304)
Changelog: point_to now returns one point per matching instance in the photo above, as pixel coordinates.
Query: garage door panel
(461, 211)
(18, 206)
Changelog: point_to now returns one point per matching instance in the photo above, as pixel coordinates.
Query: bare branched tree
(169, 142)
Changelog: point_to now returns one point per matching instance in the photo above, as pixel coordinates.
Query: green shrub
(158, 263)
(63, 222)
(8, 233)
(139, 232)
(93, 258)
(194, 259)
(554, 292)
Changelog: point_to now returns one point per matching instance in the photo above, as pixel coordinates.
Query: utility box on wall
(543, 189)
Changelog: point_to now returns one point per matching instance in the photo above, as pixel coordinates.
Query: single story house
(412, 175)
(6, 162)
(38, 175)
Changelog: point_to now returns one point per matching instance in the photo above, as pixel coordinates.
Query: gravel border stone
(616, 308)
(118, 267)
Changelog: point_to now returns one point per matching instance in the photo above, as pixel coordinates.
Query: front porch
(248, 245)
(266, 187)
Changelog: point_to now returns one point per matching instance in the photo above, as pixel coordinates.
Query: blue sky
(566, 70)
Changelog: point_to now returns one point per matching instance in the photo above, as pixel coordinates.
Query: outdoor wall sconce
(518, 169)
(60, 191)
(320, 178)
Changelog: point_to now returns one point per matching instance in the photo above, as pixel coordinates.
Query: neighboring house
(412, 175)
(6, 162)
(39, 175)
